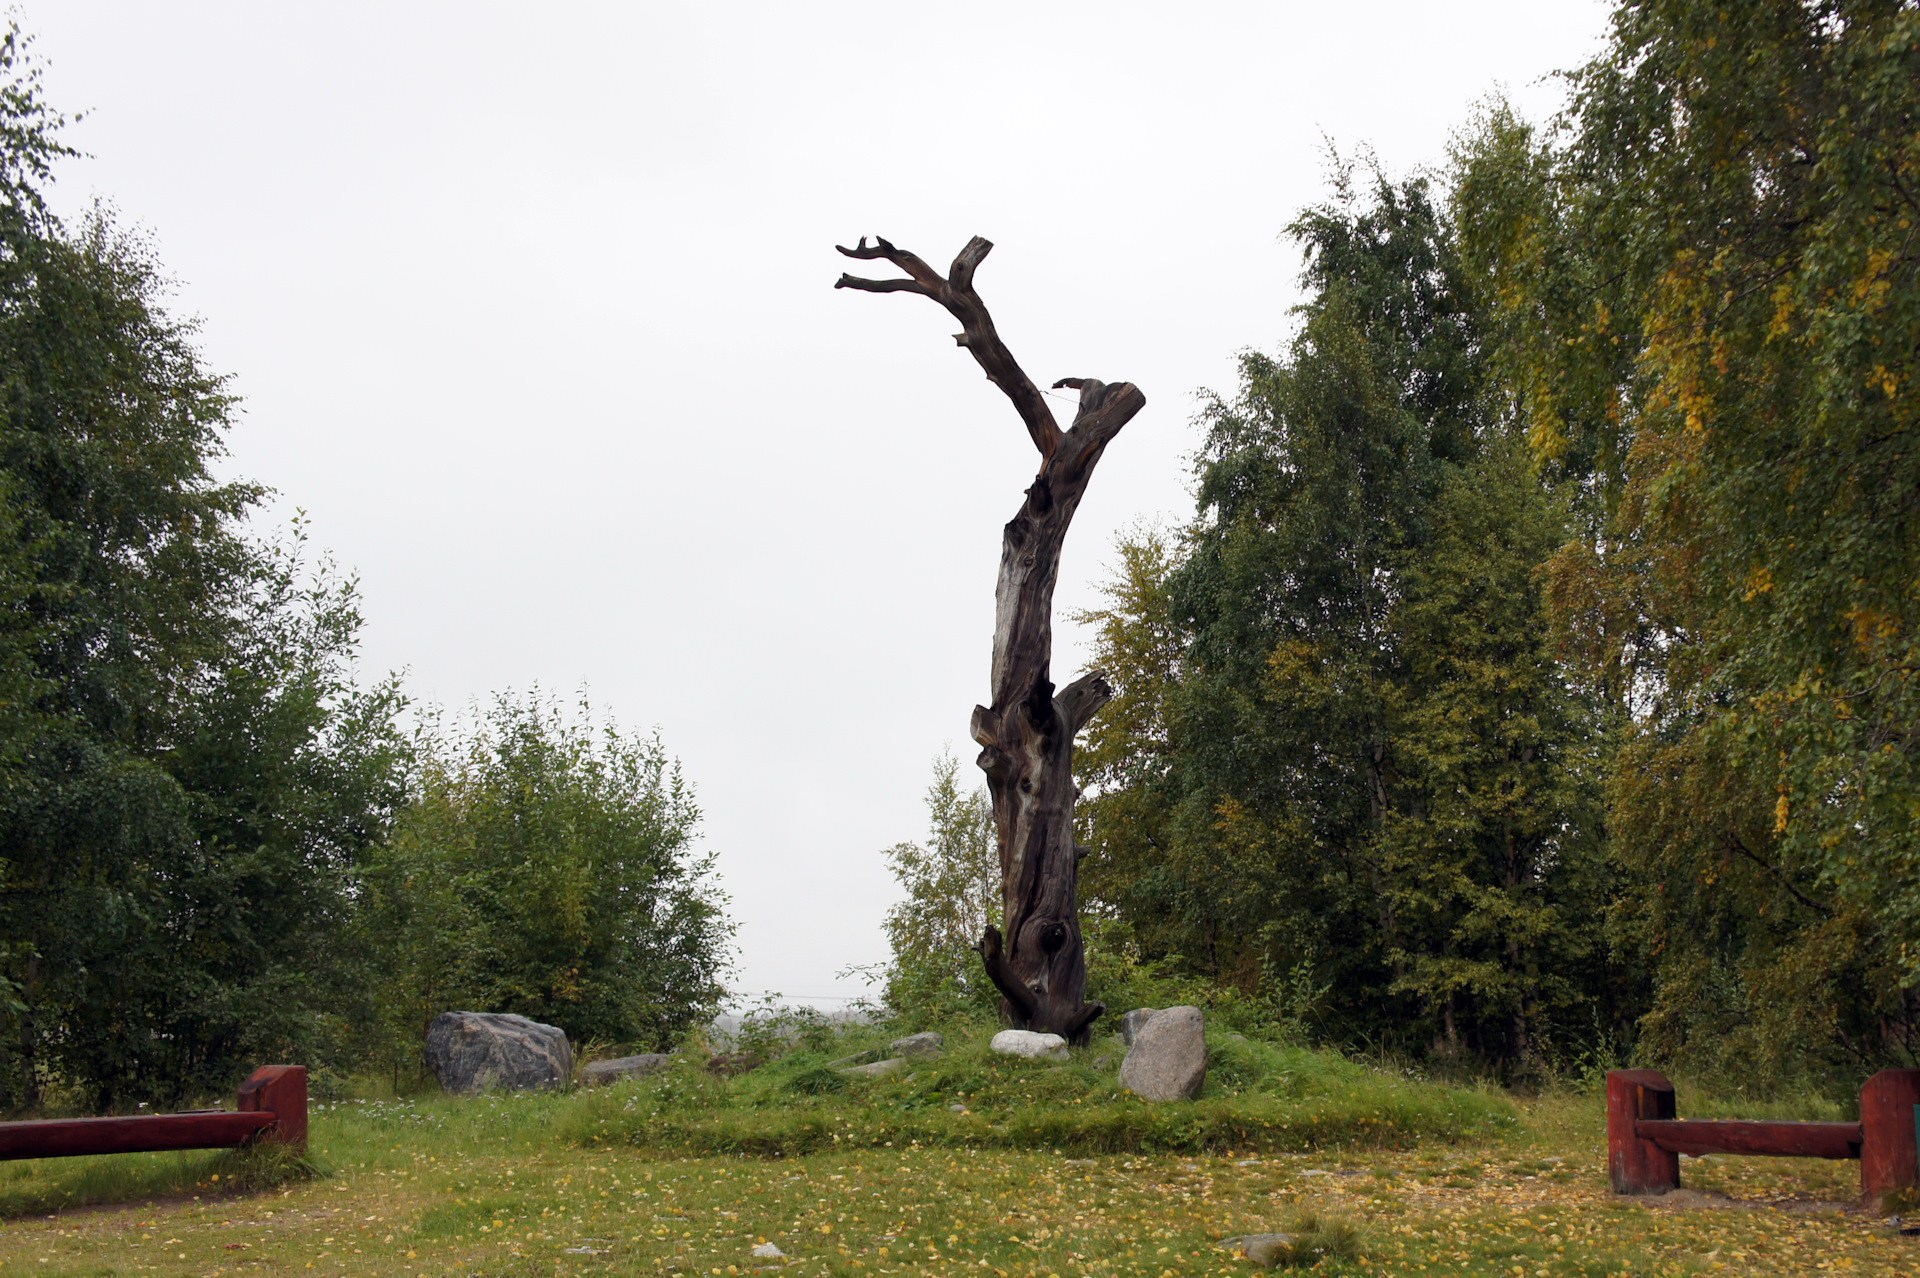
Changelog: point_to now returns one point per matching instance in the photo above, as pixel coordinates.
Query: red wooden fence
(273, 1105)
(1645, 1139)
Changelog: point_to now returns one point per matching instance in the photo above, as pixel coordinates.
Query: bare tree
(1026, 736)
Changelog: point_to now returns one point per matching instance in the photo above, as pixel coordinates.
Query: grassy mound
(1259, 1097)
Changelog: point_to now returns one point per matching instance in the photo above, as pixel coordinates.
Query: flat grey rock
(1264, 1250)
(497, 1051)
(879, 1069)
(1132, 1023)
(1168, 1059)
(627, 1067)
(858, 1058)
(918, 1045)
(1033, 1046)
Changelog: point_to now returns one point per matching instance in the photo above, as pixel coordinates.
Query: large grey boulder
(918, 1045)
(1027, 1043)
(1168, 1059)
(1132, 1022)
(626, 1067)
(487, 1051)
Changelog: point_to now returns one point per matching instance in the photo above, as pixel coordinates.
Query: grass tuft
(1320, 1237)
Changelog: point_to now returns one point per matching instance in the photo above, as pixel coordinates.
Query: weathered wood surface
(64, 1137)
(1890, 1150)
(1026, 735)
(1694, 1136)
(273, 1105)
(1635, 1164)
(280, 1090)
(1645, 1140)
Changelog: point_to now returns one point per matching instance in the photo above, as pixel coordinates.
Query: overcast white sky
(531, 310)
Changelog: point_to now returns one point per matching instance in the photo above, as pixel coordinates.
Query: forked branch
(955, 292)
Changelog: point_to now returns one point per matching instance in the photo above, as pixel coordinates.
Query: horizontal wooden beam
(66, 1137)
(1696, 1136)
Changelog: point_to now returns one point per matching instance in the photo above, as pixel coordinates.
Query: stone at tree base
(1033, 1046)
(627, 1067)
(879, 1069)
(1132, 1022)
(1264, 1250)
(482, 1051)
(1168, 1059)
(928, 1044)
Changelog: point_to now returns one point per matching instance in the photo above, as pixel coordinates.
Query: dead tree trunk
(1026, 736)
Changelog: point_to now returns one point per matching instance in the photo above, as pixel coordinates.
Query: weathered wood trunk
(1026, 736)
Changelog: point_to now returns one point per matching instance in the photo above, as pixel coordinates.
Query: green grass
(1259, 1097)
(687, 1174)
(34, 1186)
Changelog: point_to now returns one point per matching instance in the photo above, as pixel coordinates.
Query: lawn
(625, 1182)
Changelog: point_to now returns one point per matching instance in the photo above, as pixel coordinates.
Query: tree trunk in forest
(1026, 735)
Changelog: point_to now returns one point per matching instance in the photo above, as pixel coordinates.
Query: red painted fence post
(282, 1091)
(1638, 1166)
(1889, 1159)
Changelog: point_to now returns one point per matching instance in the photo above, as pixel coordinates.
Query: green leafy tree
(1720, 248)
(1494, 866)
(952, 885)
(1127, 756)
(548, 867)
(189, 765)
(1353, 768)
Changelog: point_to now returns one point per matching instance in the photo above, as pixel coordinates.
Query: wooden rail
(1645, 1139)
(272, 1106)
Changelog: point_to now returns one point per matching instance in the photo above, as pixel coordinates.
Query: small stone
(769, 1251)
(1133, 1022)
(959, 1109)
(1168, 1059)
(1264, 1250)
(918, 1045)
(1033, 1046)
(879, 1069)
(626, 1067)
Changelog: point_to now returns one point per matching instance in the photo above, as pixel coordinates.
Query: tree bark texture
(1026, 735)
